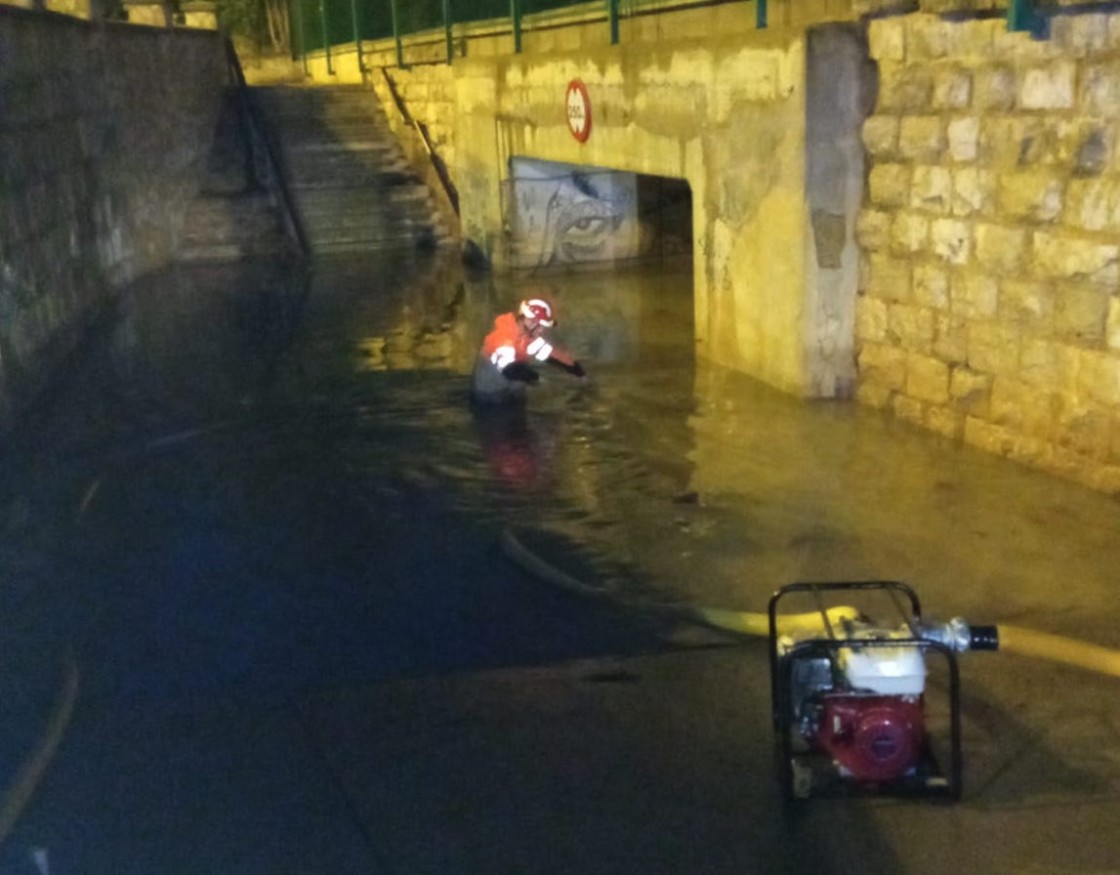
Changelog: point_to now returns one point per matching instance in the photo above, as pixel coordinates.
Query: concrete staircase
(353, 189)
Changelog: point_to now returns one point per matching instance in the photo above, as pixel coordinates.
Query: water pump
(849, 698)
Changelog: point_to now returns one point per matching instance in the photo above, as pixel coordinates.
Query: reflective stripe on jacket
(508, 343)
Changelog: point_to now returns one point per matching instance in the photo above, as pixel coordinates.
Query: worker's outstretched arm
(562, 359)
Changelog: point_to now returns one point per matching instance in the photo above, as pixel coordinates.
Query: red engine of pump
(872, 738)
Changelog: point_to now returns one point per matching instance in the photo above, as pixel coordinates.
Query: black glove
(520, 372)
(575, 368)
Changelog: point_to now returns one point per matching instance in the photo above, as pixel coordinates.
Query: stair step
(377, 245)
(316, 159)
(350, 222)
(342, 168)
(229, 251)
(357, 227)
(354, 189)
(344, 197)
(359, 234)
(328, 144)
(223, 227)
(326, 112)
(367, 107)
(360, 178)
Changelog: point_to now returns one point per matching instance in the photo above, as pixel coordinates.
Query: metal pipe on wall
(397, 32)
(326, 35)
(357, 34)
(297, 6)
(447, 29)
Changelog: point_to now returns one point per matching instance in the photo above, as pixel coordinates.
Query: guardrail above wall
(319, 25)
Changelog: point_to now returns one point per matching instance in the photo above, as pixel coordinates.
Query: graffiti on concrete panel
(565, 214)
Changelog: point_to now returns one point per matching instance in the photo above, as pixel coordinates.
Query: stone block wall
(104, 129)
(990, 232)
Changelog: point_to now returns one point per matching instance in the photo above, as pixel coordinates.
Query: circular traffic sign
(578, 105)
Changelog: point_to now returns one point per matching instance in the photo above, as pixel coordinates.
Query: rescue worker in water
(504, 368)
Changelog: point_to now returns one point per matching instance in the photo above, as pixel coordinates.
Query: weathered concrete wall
(103, 131)
(991, 284)
(699, 95)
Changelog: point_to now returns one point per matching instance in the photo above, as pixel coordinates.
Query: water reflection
(519, 450)
(697, 480)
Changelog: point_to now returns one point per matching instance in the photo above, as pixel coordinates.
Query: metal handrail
(253, 118)
(437, 162)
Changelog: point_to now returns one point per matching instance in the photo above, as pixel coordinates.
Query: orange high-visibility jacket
(507, 343)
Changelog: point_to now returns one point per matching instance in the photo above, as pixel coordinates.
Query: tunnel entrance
(571, 214)
(665, 215)
(630, 237)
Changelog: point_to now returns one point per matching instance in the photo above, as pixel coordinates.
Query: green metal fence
(345, 21)
(320, 24)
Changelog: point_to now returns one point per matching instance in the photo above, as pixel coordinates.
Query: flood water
(263, 483)
(293, 403)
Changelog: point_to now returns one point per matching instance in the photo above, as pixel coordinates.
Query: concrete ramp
(232, 216)
(352, 186)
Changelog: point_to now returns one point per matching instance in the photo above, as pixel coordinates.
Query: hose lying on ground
(739, 623)
(33, 769)
(1011, 639)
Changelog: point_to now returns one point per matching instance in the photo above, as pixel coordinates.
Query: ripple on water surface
(252, 387)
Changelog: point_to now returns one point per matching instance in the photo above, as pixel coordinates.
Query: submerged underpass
(265, 525)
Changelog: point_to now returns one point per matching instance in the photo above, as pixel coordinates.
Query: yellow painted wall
(725, 111)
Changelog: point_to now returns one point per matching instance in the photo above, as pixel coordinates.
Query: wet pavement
(261, 520)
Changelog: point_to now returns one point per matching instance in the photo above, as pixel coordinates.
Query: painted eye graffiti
(585, 217)
(583, 230)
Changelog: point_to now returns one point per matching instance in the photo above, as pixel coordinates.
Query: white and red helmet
(539, 310)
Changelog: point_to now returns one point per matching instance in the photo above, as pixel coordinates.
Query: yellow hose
(1012, 639)
(758, 624)
(1043, 645)
(750, 623)
(33, 769)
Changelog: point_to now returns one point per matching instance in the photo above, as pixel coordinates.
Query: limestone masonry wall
(103, 131)
(990, 283)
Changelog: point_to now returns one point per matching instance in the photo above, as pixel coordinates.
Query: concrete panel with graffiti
(567, 214)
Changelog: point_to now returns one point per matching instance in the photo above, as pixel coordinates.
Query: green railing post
(760, 14)
(515, 14)
(357, 35)
(612, 11)
(397, 32)
(297, 5)
(447, 29)
(1020, 15)
(326, 35)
